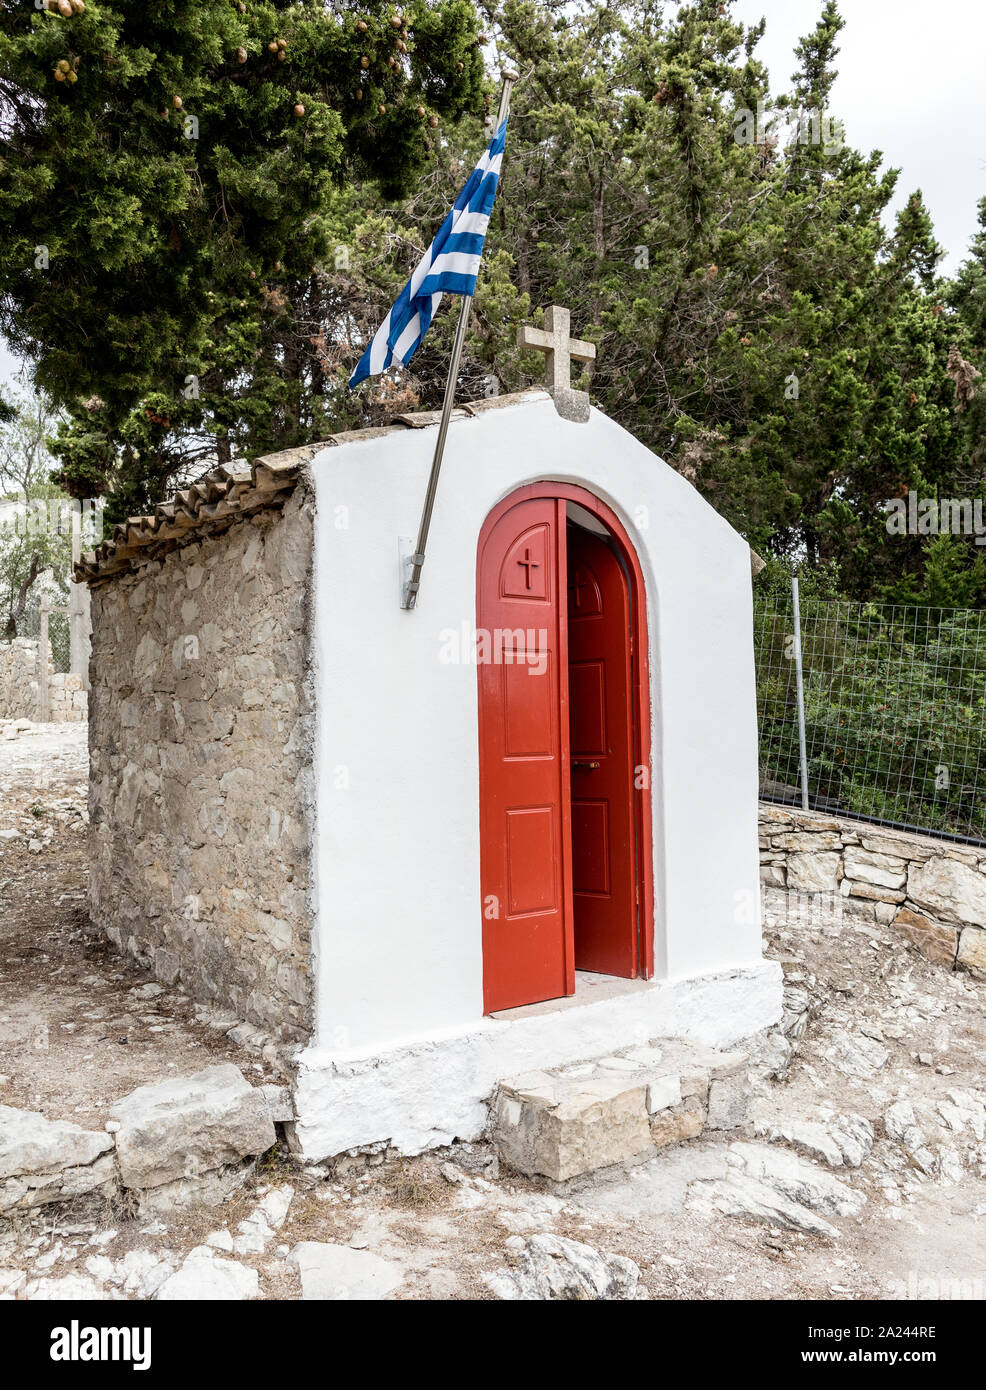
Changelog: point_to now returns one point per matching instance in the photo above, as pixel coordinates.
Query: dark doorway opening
(601, 742)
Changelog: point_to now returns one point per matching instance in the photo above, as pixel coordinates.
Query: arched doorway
(564, 746)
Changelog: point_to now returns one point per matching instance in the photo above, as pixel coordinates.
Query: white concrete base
(430, 1092)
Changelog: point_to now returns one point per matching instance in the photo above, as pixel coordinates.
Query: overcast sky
(911, 83)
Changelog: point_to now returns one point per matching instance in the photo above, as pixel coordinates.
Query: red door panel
(601, 724)
(523, 741)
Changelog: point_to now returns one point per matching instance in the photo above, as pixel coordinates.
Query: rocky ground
(80, 1025)
(862, 1174)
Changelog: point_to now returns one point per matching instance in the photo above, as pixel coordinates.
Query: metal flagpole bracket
(416, 559)
(405, 564)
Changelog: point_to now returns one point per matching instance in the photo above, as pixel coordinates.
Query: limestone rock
(167, 966)
(468, 1198)
(813, 873)
(879, 869)
(100, 1267)
(663, 1092)
(948, 1164)
(899, 846)
(680, 1122)
(972, 949)
(143, 1272)
(208, 1189)
(969, 1110)
(775, 1054)
(898, 1119)
(50, 1160)
(949, 890)
(808, 840)
(70, 1288)
(256, 1231)
(729, 1102)
(808, 1137)
(798, 1005)
(720, 1064)
(591, 1115)
(854, 1136)
(843, 1142)
(31, 1144)
(859, 1056)
(204, 1277)
(933, 939)
(279, 1103)
(797, 1179)
(872, 892)
(338, 1272)
(275, 1206)
(562, 1127)
(180, 1128)
(10, 1281)
(743, 1196)
(552, 1267)
(901, 1125)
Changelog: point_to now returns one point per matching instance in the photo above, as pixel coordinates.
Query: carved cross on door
(578, 583)
(555, 341)
(529, 565)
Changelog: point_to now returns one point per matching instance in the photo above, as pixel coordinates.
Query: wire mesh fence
(58, 630)
(894, 710)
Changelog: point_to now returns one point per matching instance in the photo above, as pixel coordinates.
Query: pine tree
(166, 181)
(967, 364)
(757, 325)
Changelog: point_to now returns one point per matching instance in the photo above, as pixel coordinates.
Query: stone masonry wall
(67, 702)
(933, 891)
(200, 743)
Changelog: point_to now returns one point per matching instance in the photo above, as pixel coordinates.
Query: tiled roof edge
(220, 499)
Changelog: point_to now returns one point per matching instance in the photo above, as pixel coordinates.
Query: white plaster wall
(423, 1095)
(398, 931)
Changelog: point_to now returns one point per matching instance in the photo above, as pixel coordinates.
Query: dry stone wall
(200, 743)
(67, 701)
(933, 891)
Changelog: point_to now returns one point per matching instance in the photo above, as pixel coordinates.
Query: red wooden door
(600, 706)
(523, 740)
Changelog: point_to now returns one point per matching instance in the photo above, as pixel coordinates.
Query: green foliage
(895, 709)
(757, 324)
(35, 535)
(967, 298)
(165, 208)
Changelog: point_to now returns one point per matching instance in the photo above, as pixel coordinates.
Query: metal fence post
(803, 752)
(43, 710)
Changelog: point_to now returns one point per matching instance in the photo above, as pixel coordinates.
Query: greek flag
(450, 265)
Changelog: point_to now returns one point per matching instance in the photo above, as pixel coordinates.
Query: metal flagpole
(413, 582)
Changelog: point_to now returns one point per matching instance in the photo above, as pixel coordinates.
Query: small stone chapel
(512, 828)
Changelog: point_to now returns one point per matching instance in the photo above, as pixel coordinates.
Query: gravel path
(869, 1110)
(44, 752)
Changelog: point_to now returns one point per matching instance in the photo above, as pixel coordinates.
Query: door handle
(588, 766)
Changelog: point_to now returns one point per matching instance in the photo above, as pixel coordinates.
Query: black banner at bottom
(156, 1340)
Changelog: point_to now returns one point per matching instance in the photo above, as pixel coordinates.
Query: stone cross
(559, 348)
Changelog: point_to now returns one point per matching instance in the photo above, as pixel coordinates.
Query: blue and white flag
(450, 265)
